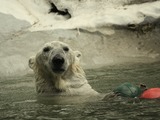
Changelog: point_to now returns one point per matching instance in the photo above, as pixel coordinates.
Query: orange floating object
(151, 93)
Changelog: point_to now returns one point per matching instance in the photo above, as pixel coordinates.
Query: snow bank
(85, 13)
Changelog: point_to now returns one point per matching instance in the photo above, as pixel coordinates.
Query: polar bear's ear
(78, 54)
(31, 62)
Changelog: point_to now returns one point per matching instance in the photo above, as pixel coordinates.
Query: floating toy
(132, 91)
(128, 90)
(151, 93)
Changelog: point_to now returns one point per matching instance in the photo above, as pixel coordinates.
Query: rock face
(106, 32)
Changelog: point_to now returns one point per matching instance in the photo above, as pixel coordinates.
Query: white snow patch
(85, 14)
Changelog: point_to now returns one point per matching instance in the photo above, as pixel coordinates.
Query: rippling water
(18, 98)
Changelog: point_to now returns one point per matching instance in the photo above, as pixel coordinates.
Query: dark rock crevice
(64, 12)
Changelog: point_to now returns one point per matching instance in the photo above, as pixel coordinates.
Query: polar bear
(58, 71)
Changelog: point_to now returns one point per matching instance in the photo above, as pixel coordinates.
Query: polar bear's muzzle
(58, 63)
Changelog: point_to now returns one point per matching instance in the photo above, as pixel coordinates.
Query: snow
(14, 7)
(94, 15)
(85, 14)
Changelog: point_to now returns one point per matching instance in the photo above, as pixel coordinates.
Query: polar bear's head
(55, 58)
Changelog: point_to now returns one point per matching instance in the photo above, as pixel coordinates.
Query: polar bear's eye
(46, 49)
(66, 49)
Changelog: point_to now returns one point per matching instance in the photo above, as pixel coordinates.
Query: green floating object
(128, 90)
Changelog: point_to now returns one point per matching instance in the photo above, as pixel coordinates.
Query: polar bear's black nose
(58, 60)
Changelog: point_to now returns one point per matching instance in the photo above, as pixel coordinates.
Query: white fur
(71, 82)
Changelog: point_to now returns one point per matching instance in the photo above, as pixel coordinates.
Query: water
(18, 98)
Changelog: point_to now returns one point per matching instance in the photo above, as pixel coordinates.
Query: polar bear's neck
(59, 84)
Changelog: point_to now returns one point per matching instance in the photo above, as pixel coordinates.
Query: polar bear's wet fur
(57, 71)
